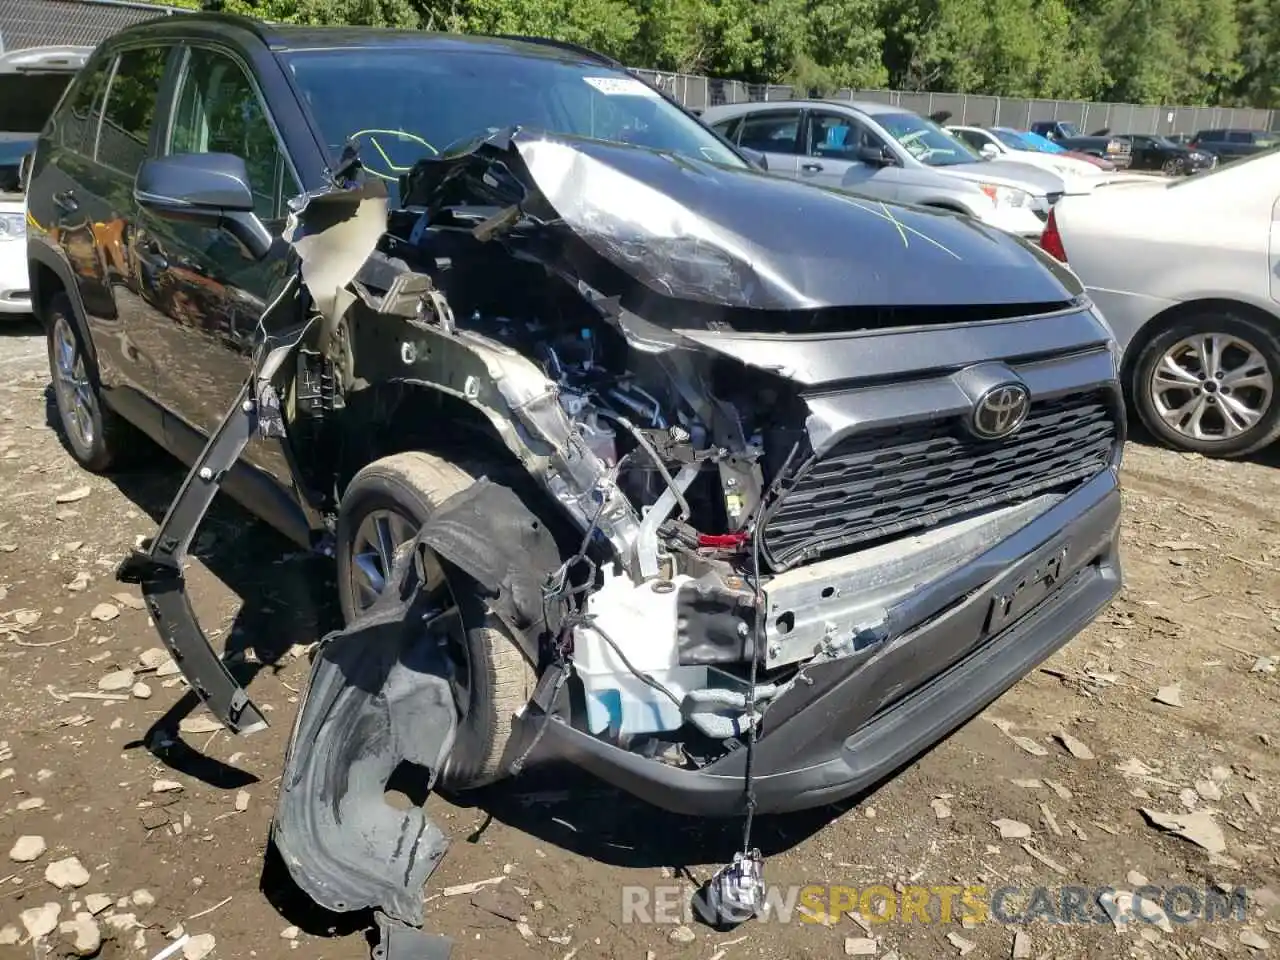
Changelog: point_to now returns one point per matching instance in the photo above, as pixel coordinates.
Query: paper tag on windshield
(621, 87)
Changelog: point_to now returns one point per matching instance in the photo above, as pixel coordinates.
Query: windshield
(400, 105)
(926, 141)
(1014, 140)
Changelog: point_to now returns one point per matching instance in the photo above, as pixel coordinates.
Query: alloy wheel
(71, 386)
(1212, 387)
(380, 534)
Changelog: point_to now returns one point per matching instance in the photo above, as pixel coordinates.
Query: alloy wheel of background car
(1208, 384)
(95, 435)
(1172, 167)
(384, 506)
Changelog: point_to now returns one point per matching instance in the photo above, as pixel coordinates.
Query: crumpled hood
(736, 238)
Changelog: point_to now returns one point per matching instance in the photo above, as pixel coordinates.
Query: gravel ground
(167, 826)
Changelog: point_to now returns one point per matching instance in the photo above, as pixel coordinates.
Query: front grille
(888, 482)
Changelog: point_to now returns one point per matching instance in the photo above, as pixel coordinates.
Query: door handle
(66, 200)
(811, 167)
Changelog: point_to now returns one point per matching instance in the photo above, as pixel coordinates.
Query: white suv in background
(31, 84)
(888, 153)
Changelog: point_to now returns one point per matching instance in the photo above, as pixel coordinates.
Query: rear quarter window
(131, 108)
(76, 125)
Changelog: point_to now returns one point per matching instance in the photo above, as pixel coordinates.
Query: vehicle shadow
(1266, 457)
(287, 597)
(20, 325)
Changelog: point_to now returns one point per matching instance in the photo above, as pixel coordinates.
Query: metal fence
(31, 23)
(701, 92)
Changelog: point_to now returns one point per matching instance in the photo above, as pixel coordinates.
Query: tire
(1176, 354)
(98, 437)
(500, 679)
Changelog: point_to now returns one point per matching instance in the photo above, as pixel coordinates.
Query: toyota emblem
(1000, 411)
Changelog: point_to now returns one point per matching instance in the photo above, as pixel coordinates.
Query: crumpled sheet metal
(333, 233)
(694, 231)
(379, 694)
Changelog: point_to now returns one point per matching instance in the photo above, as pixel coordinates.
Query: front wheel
(1208, 384)
(384, 507)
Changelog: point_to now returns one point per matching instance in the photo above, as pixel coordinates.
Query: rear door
(776, 134)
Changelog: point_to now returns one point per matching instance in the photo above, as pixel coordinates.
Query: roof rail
(564, 45)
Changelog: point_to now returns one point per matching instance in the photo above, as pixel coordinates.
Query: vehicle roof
(291, 37)
(869, 107)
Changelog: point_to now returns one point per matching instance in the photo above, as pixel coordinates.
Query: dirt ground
(1200, 614)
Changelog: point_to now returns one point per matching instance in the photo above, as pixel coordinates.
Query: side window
(78, 123)
(772, 132)
(130, 109)
(218, 111)
(728, 128)
(973, 138)
(838, 136)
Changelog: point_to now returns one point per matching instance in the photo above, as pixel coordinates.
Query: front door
(834, 141)
(211, 290)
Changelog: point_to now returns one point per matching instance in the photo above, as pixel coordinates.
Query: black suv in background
(1233, 144)
(647, 440)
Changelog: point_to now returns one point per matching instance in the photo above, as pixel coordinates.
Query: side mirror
(211, 189)
(989, 151)
(756, 158)
(876, 156)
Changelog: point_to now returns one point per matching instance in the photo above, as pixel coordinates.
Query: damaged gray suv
(736, 492)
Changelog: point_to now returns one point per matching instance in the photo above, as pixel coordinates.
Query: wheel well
(1179, 311)
(46, 284)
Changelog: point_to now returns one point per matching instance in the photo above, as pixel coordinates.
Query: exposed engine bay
(706, 495)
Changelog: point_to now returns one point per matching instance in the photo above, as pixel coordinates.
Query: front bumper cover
(952, 647)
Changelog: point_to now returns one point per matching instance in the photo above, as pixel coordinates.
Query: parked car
(1182, 139)
(1233, 144)
(1152, 152)
(31, 82)
(888, 153)
(601, 422)
(1068, 135)
(1002, 143)
(1188, 275)
(1046, 145)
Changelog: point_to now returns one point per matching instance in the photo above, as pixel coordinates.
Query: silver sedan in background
(1187, 273)
(888, 153)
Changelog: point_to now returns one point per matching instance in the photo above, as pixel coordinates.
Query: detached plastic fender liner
(379, 695)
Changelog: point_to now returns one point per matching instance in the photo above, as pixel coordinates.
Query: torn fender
(379, 696)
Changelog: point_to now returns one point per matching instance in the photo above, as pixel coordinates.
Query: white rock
(9, 936)
(1021, 945)
(289, 933)
(41, 921)
(1137, 879)
(1253, 941)
(1012, 829)
(128, 600)
(1170, 696)
(198, 947)
(104, 612)
(141, 691)
(83, 933)
(1209, 790)
(71, 496)
(143, 898)
(681, 934)
(68, 872)
(199, 725)
(120, 922)
(165, 786)
(26, 849)
(95, 903)
(962, 945)
(117, 680)
(859, 947)
(242, 800)
(941, 809)
(153, 659)
(31, 803)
